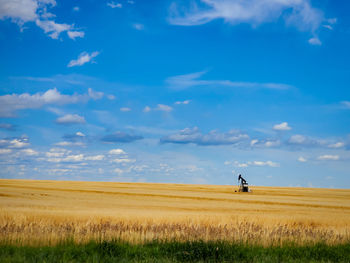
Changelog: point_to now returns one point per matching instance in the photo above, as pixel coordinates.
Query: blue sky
(176, 91)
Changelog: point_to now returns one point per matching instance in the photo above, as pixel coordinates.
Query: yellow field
(45, 212)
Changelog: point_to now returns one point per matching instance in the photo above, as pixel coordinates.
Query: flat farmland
(46, 212)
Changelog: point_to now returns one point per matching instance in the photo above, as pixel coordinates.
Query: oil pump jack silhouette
(243, 185)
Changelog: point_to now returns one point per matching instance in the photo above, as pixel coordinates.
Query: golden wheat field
(47, 212)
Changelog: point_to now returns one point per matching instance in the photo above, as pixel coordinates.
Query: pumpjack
(243, 185)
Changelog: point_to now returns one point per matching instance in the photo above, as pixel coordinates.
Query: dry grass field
(46, 212)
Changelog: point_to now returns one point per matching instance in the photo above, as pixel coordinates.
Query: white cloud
(272, 143)
(328, 27)
(5, 151)
(14, 143)
(71, 119)
(193, 135)
(95, 157)
(330, 24)
(256, 163)
(297, 139)
(163, 107)
(146, 109)
(10, 103)
(315, 41)
(181, 82)
(138, 26)
(114, 5)
(125, 109)
(95, 95)
(253, 142)
(118, 137)
(76, 8)
(282, 127)
(57, 152)
(58, 155)
(23, 11)
(118, 170)
(74, 34)
(185, 102)
(301, 140)
(269, 143)
(346, 104)
(65, 143)
(80, 134)
(327, 157)
(83, 58)
(123, 160)
(337, 145)
(61, 155)
(116, 151)
(60, 150)
(241, 165)
(298, 13)
(52, 28)
(302, 159)
(74, 158)
(267, 163)
(29, 152)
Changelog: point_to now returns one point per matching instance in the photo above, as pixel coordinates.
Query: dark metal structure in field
(243, 185)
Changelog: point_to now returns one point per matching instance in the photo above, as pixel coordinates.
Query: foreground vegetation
(117, 251)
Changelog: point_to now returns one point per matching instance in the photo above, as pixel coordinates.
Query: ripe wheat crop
(47, 212)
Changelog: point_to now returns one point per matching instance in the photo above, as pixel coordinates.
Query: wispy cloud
(138, 26)
(54, 29)
(24, 11)
(336, 145)
(159, 107)
(346, 104)
(121, 137)
(83, 58)
(98, 157)
(193, 135)
(315, 41)
(70, 119)
(163, 107)
(181, 82)
(125, 109)
(265, 143)
(29, 152)
(302, 159)
(298, 13)
(68, 144)
(15, 142)
(117, 151)
(7, 126)
(147, 109)
(282, 127)
(185, 102)
(5, 151)
(253, 163)
(75, 34)
(114, 5)
(328, 157)
(11, 103)
(305, 141)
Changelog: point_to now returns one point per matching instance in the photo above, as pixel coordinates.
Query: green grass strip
(115, 251)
